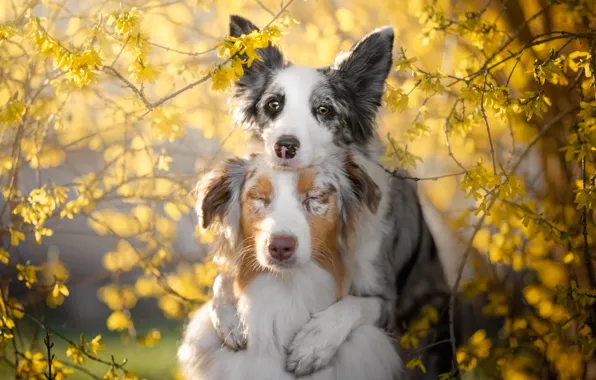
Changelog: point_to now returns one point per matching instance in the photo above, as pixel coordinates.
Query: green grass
(156, 363)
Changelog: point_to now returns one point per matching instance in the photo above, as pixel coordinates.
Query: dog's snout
(282, 247)
(286, 146)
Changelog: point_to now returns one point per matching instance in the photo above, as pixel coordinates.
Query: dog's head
(302, 112)
(276, 220)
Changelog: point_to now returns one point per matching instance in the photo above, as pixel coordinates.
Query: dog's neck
(274, 306)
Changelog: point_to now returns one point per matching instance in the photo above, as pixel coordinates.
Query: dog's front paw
(228, 326)
(314, 346)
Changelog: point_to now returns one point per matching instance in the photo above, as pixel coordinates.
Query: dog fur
(396, 266)
(319, 206)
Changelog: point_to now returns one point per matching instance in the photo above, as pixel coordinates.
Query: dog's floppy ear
(363, 186)
(218, 196)
(256, 77)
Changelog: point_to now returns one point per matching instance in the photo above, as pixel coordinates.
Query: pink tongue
(283, 152)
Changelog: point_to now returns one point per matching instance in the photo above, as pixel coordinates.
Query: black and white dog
(303, 115)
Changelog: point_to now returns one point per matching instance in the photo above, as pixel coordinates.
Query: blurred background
(98, 123)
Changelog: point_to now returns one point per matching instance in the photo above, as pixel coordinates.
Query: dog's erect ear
(364, 187)
(271, 55)
(239, 26)
(256, 77)
(366, 66)
(218, 196)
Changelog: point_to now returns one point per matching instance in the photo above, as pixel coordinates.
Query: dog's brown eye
(323, 110)
(273, 105)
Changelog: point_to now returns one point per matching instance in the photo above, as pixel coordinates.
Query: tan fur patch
(250, 219)
(306, 180)
(323, 230)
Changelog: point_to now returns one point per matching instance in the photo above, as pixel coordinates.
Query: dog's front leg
(224, 313)
(319, 340)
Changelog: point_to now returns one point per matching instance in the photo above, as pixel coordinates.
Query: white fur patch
(274, 308)
(285, 215)
(297, 119)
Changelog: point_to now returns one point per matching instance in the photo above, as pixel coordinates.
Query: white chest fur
(275, 306)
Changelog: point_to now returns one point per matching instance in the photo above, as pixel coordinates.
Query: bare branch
(121, 50)
(114, 72)
(447, 143)
(483, 111)
(265, 7)
(183, 52)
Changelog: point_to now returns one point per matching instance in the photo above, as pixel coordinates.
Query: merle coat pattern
(396, 264)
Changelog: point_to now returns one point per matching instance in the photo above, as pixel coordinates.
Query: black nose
(286, 147)
(282, 247)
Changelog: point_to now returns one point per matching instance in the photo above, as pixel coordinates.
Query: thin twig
(447, 143)
(183, 52)
(64, 338)
(395, 174)
(121, 50)
(554, 121)
(16, 155)
(483, 111)
(113, 71)
(444, 341)
(184, 89)
(49, 344)
(512, 71)
(265, 8)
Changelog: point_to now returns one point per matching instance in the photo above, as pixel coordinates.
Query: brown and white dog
(287, 235)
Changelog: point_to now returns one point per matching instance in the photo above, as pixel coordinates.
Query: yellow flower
(141, 72)
(31, 366)
(95, 346)
(416, 363)
(118, 321)
(12, 112)
(4, 256)
(164, 161)
(167, 123)
(6, 32)
(578, 60)
(129, 375)
(127, 21)
(58, 370)
(27, 273)
(151, 339)
(75, 354)
(222, 78)
(111, 374)
(56, 296)
(396, 100)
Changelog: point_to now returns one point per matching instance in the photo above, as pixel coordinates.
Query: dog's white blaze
(285, 216)
(275, 306)
(297, 119)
